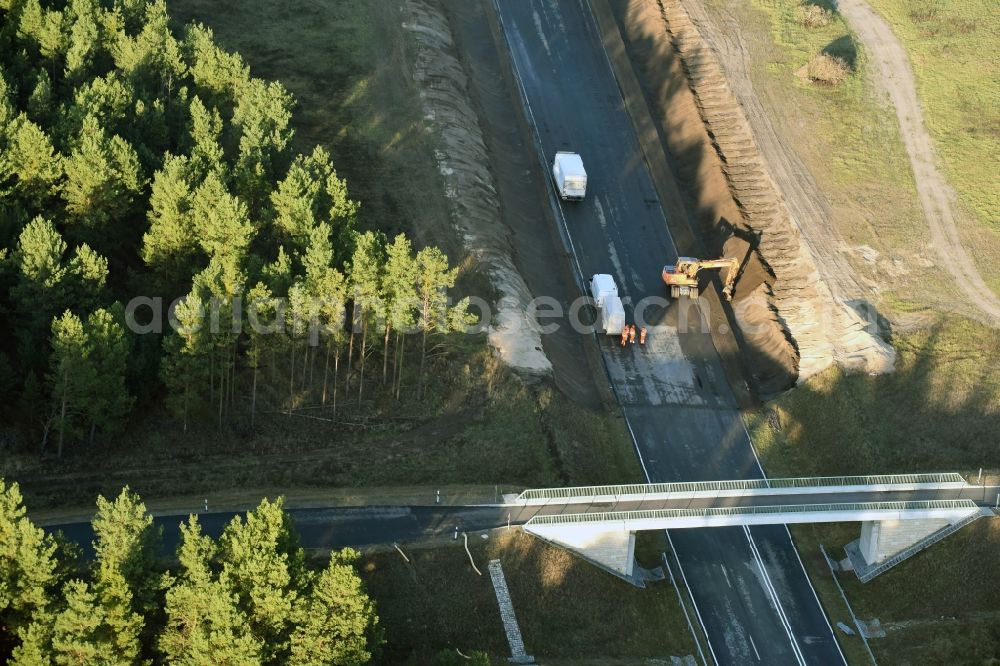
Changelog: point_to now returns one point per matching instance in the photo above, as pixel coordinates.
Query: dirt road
(894, 75)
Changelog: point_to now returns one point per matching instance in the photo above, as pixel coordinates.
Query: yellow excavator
(682, 277)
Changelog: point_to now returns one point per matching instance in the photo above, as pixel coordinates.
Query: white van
(569, 176)
(604, 291)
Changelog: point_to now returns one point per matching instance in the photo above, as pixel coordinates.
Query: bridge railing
(894, 481)
(863, 511)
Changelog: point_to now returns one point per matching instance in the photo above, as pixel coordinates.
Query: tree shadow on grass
(844, 48)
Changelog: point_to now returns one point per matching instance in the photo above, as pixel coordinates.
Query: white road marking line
(754, 646)
(769, 586)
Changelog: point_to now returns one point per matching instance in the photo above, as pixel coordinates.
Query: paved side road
(329, 528)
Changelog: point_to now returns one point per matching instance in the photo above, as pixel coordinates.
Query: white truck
(605, 294)
(569, 176)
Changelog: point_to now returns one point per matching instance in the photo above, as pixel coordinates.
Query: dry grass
(828, 69)
(814, 16)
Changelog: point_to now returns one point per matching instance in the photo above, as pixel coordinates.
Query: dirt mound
(819, 328)
(463, 163)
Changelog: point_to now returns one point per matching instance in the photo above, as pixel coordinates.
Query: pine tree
(27, 567)
(85, 39)
(103, 175)
(124, 578)
(263, 317)
(337, 620)
(433, 279)
(108, 352)
(83, 633)
(331, 294)
(43, 28)
(262, 114)
(204, 627)
(152, 59)
(29, 165)
(401, 297)
(86, 278)
(171, 247)
(367, 289)
(263, 564)
(221, 221)
(184, 368)
(71, 375)
(204, 140)
(42, 103)
(215, 73)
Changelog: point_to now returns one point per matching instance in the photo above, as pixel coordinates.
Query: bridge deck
(880, 482)
(760, 515)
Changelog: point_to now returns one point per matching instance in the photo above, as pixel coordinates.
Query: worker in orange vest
(642, 336)
(624, 334)
(631, 334)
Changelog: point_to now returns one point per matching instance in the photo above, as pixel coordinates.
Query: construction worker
(631, 334)
(642, 336)
(624, 334)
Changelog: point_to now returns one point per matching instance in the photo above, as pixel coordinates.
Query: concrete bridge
(899, 514)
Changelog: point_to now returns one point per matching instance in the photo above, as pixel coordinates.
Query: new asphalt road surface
(749, 586)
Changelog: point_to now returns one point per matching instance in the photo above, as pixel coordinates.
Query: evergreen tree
(204, 627)
(204, 136)
(184, 368)
(108, 347)
(263, 564)
(331, 293)
(337, 620)
(43, 29)
(102, 106)
(216, 73)
(310, 194)
(262, 315)
(29, 165)
(401, 297)
(85, 38)
(152, 59)
(71, 375)
(102, 178)
(221, 221)
(170, 247)
(86, 277)
(27, 568)
(124, 577)
(83, 632)
(433, 279)
(262, 113)
(367, 289)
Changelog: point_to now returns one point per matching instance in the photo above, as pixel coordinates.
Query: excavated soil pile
(464, 165)
(792, 317)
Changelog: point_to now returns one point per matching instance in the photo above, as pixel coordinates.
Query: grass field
(953, 47)
(940, 411)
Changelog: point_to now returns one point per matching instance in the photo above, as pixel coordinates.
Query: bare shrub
(814, 16)
(828, 69)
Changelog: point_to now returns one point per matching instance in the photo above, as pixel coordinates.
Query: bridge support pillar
(881, 539)
(612, 550)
